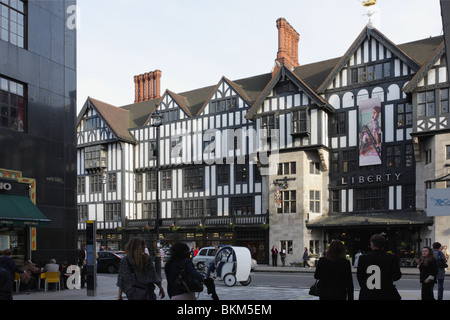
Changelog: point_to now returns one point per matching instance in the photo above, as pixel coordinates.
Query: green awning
(19, 211)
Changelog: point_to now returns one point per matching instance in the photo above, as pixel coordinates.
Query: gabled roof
(312, 78)
(368, 33)
(439, 52)
(240, 91)
(117, 119)
(283, 71)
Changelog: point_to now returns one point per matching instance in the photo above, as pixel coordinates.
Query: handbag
(139, 290)
(187, 282)
(314, 290)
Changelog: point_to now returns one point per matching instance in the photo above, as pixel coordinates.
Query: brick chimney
(287, 45)
(147, 86)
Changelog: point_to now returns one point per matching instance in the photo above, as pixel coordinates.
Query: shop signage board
(438, 202)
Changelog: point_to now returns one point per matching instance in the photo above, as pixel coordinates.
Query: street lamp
(156, 122)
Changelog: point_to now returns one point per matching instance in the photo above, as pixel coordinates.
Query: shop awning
(389, 219)
(19, 211)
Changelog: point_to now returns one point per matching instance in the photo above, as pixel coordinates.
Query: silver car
(204, 257)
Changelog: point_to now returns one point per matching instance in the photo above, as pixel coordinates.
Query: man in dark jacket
(5, 284)
(9, 267)
(377, 271)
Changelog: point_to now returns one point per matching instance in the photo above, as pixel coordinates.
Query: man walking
(442, 264)
(377, 270)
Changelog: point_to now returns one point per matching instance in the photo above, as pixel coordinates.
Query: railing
(250, 220)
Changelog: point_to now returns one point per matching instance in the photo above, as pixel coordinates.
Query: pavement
(107, 289)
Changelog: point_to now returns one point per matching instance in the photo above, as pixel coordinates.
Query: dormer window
(371, 72)
(223, 105)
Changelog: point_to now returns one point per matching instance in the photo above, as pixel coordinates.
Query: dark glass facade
(44, 149)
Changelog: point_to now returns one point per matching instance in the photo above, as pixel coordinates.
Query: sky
(194, 43)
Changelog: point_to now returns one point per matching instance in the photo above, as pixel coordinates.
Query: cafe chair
(17, 281)
(52, 277)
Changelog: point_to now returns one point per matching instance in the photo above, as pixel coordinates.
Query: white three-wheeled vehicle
(233, 264)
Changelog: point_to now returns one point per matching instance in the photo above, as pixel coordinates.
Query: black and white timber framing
(226, 150)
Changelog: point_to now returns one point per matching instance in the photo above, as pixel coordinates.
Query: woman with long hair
(428, 272)
(179, 259)
(141, 264)
(335, 274)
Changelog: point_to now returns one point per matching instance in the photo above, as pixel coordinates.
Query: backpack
(441, 261)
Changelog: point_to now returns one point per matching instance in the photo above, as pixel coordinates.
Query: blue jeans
(440, 289)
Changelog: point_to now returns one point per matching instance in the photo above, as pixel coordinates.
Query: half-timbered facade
(292, 158)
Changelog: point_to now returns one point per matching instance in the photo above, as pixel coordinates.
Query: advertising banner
(370, 134)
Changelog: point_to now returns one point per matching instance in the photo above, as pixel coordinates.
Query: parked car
(108, 261)
(204, 257)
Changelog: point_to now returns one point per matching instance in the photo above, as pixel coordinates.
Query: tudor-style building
(293, 158)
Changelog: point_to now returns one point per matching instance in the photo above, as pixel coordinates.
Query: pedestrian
(274, 251)
(428, 272)
(355, 264)
(441, 262)
(141, 264)
(8, 273)
(82, 255)
(305, 258)
(8, 263)
(6, 283)
(283, 255)
(377, 271)
(179, 259)
(335, 274)
(30, 274)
